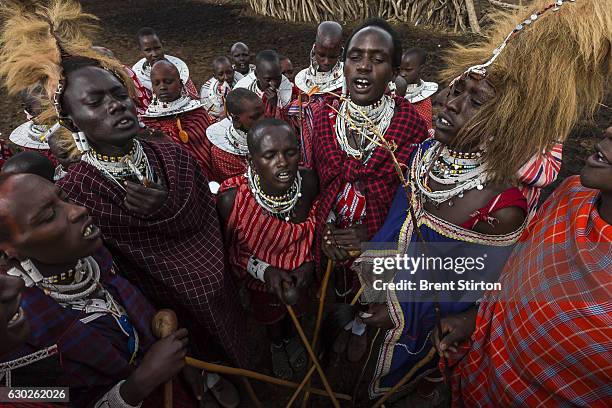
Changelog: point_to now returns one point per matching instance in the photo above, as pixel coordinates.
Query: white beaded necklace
(351, 119)
(280, 207)
(237, 139)
(476, 177)
(117, 170)
(86, 282)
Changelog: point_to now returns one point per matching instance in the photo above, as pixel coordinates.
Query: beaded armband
(256, 268)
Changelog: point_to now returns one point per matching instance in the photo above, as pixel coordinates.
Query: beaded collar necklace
(461, 171)
(135, 164)
(237, 139)
(278, 206)
(351, 121)
(158, 109)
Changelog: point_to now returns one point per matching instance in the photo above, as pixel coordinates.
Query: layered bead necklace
(135, 164)
(461, 171)
(364, 122)
(237, 139)
(86, 294)
(279, 206)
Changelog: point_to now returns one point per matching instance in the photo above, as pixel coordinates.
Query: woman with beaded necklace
(74, 303)
(464, 182)
(150, 199)
(357, 177)
(274, 200)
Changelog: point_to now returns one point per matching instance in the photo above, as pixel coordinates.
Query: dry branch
(460, 14)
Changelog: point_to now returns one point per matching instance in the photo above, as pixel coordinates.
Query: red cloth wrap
(194, 122)
(284, 245)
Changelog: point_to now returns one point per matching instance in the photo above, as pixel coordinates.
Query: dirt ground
(199, 30)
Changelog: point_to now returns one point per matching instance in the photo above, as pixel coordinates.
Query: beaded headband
(481, 69)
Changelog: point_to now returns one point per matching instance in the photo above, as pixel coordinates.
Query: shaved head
(165, 66)
(166, 81)
(239, 46)
(329, 34)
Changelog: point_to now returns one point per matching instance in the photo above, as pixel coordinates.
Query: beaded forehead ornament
(481, 69)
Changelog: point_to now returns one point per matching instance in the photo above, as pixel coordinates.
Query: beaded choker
(461, 171)
(278, 206)
(364, 123)
(114, 159)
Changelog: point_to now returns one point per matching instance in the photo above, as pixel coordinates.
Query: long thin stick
(251, 392)
(314, 358)
(315, 337)
(301, 387)
(405, 378)
(221, 369)
(311, 371)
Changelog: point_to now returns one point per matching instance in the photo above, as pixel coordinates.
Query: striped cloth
(142, 96)
(539, 172)
(548, 341)
(252, 231)
(195, 123)
(222, 165)
(302, 112)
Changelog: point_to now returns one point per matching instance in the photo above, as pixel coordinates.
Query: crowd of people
(128, 191)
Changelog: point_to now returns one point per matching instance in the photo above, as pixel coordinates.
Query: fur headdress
(39, 40)
(553, 70)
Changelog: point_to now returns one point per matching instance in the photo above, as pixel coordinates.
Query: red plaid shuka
(175, 256)
(194, 123)
(425, 110)
(546, 339)
(252, 231)
(377, 180)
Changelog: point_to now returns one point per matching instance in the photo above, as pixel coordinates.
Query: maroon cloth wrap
(377, 180)
(175, 255)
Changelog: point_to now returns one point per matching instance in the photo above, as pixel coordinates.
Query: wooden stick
(405, 379)
(221, 369)
(301, 387)
(165, 323)
(315, 337)
(298, 326)
(311, 372)
(251, 392)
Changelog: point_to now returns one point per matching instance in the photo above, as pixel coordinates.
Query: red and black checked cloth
(377, 180)
(175, 256)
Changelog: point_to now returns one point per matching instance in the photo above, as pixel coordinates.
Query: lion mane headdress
(549, 66)
(43, 40)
